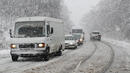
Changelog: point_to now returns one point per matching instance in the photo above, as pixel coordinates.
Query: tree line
(12, 9)
(111, 17)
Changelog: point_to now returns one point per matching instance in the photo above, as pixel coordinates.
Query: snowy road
(92, 57)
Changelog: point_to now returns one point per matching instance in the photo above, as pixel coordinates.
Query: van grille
(27, 46)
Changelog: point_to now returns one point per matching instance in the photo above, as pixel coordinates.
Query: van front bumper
(25, 53)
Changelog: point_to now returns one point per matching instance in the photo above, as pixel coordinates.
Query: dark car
(95, 36)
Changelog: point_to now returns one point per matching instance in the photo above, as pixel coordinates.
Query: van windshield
(77, 31)
(77, 36)
(29, 29)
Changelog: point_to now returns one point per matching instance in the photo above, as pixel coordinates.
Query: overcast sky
(78, 8)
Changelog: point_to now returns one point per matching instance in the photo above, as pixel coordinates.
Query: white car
(70, 42)
(37, 37)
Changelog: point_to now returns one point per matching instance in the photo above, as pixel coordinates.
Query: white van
(37, 37)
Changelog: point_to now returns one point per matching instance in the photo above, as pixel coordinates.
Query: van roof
(37, 18)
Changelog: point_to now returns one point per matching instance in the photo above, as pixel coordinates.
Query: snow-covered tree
(12, 9)
(111, 17)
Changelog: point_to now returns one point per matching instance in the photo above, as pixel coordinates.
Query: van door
(51, 39)
(55, 34)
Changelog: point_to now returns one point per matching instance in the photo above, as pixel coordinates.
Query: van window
(29, 29)
(48, 29)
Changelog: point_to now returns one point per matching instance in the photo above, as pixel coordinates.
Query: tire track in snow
(97, 63)
(85, 59)
(103, 70)
(75, 67)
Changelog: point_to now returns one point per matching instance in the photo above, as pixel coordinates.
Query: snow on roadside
(4, 52)
(119, 43)
(123, 44)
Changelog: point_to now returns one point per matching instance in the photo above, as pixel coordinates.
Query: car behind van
(70, 42)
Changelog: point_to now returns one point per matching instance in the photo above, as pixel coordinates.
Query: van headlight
(41, 45)
(13, 46)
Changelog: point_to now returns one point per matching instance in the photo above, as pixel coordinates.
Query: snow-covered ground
(67, 63)
(121, 62)
(4, 52)
(91, 55)
(123, 44)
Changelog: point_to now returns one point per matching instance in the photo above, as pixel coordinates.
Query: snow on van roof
(37, 18)
(77, 27)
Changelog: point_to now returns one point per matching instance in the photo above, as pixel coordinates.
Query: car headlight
(71, 43)
(81, 40)
(41, 45)
(13, 46)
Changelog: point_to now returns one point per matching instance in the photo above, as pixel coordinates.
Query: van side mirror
(52, 31)
(10, 32)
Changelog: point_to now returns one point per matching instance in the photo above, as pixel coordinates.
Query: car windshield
(29, 29)
(69, 38)
(95, 32)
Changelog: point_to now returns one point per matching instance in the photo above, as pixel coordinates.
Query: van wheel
(59, 53)
(14, 57)
(47, 56)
